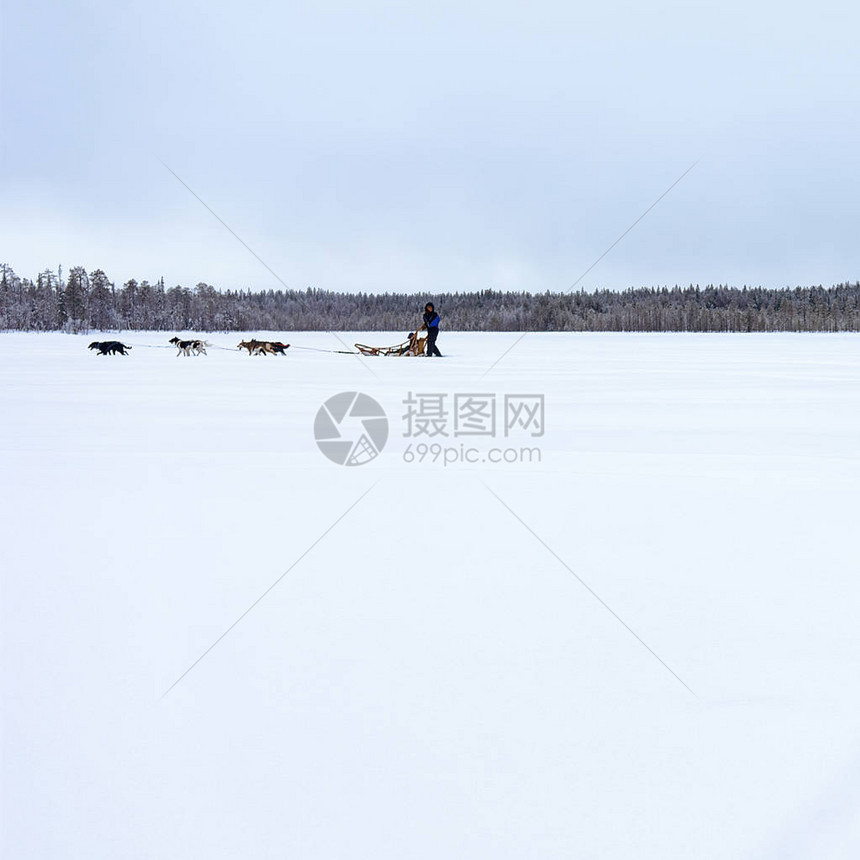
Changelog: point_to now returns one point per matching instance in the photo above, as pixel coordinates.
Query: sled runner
(413, 346)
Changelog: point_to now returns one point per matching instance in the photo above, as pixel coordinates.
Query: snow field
(431, 678)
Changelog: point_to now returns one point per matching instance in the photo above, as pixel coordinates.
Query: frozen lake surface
(636, 638)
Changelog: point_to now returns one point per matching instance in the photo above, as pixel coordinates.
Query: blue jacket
(431, 319)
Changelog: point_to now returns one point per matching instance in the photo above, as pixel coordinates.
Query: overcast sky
(433, 145)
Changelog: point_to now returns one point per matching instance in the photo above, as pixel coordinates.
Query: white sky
(432, 146)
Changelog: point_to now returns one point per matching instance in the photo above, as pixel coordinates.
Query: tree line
(81, 301)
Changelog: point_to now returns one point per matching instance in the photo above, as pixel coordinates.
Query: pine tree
(76, 298)
(101, 309)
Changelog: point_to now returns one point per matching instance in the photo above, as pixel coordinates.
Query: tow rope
(317, 349)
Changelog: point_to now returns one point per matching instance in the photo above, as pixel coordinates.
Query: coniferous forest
(78, 301)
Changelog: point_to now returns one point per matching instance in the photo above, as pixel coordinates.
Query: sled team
(414, 346)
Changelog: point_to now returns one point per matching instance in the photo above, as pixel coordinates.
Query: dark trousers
(432, 334)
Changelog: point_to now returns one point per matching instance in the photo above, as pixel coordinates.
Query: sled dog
(109, 347)
(264, 347)
(189, 347)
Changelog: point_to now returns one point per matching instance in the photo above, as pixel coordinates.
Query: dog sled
(414, 345)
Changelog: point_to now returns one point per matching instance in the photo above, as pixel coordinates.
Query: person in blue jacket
(431, 323)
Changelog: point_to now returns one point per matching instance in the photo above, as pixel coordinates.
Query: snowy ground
(432, 679)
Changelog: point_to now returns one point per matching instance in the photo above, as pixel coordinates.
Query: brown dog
(264, 347)
(254, 347)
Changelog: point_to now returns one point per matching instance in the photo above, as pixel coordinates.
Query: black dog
(109, 347)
